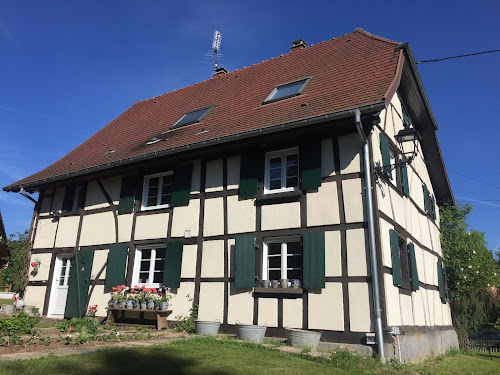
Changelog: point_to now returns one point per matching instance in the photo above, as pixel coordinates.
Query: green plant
(187, 324)
(306, 350)
(470, 269)
(15, 271)
(21, 324)
(85, 325)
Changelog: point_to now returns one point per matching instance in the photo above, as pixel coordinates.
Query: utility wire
(457, 57)
(478, 201)
(463, 175)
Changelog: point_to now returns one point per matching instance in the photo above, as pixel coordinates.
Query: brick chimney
(298, 44)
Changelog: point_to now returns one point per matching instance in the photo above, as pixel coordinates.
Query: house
(286, 169)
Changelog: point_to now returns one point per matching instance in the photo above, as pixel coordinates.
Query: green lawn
(209, 357)
(9, 301)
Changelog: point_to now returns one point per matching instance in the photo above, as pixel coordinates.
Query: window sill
(280, 291)
(289, 196)
(154, 210)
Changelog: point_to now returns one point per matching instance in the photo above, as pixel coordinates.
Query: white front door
(59, 286)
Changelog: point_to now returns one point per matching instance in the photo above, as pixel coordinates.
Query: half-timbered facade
(259, 175)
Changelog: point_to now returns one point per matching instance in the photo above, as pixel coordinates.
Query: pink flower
(33, 264)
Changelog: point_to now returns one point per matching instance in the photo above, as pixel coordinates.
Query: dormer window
(192, 117)
(287, 90)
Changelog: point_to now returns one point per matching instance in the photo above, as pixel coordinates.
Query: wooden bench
(114, 317)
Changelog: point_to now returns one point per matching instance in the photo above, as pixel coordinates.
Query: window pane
(158, 277)
(292, 160)
(294, 261)
(160, 253)
(274, 184)
(191, 117)
(159, 264)
(275, 174)
(153, 182)
(287, 90)
(274, 262)
(166, 190)
(143, 277)
(294, 247)
(274, 248)
(294, 274)
(292, 182)
(275, 275)
(146, 254)
(145, 265)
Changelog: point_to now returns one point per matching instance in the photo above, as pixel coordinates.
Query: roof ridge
(376, 37)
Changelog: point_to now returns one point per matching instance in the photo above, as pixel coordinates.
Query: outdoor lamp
(408, 135)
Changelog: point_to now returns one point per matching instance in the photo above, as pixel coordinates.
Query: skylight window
(192, 117)
(287, 90)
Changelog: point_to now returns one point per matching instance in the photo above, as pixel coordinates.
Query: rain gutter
(201, 144)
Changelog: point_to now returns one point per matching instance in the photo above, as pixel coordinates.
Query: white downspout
(379, 334)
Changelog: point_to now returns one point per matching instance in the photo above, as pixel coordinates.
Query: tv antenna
(216, 46)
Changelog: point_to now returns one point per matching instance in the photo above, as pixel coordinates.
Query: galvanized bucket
(251, 332)
(301, 338)
(207, 328)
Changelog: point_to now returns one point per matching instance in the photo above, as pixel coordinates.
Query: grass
(8, 301)
(208, 356)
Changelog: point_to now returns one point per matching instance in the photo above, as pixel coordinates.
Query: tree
(15, 271)
(470, 268)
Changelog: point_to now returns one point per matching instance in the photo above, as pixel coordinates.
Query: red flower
(33, 264)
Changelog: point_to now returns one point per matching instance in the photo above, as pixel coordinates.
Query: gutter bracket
(23, 193)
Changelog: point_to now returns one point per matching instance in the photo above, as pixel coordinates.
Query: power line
(479, 201)
(457, 57)
(463, 175)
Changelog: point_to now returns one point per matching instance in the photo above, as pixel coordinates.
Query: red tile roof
(351, 71)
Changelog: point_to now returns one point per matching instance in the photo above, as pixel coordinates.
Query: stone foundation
(417, 346)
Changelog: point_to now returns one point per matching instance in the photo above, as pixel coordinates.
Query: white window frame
(267, 175)
(393, 172)
(284, 255)
(145, 191)
(137, 268)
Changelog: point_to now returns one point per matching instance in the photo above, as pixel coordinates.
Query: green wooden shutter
(440, 275)
(244, 262)
(173, 263)
(79, 282)
(251, 168)
(69, 195)
(82, 196)
(310, 165)
(433, 207)
(397, 278)
(404, 172)
(117, 261)
(313, 250)
(426, 198)
(181, 193)
(413, 267)
(445, 277)
(127, 194)
(386, 156)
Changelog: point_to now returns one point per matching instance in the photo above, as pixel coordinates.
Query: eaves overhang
(412, 90)
(35, 185)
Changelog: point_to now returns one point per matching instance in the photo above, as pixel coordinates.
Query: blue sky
(68, 68)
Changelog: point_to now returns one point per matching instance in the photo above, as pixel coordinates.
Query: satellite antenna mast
(216, 46)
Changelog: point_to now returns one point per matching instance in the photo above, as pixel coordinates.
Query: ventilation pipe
(379, 335)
